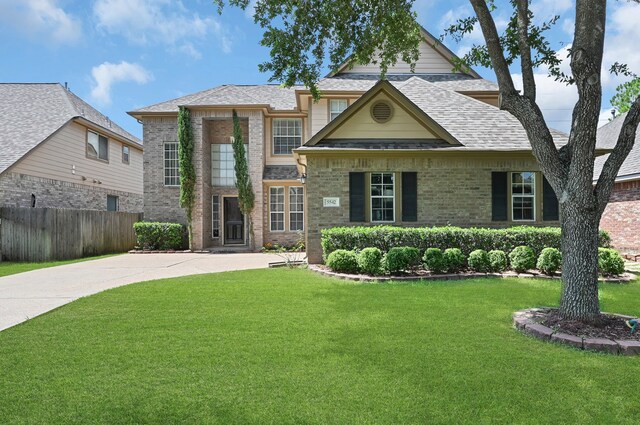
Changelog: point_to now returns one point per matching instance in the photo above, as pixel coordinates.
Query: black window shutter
(410, 196)
(550, 209)
(356, 197)
(499, 201)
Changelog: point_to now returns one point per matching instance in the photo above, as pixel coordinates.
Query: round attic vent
(381, 111)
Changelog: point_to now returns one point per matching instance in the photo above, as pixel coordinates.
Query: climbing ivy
(185, 166)
(246, 197)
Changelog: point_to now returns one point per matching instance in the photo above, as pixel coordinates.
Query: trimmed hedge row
(466, 239)
(159, 236)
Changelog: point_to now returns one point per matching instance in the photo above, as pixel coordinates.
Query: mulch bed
(610, 326)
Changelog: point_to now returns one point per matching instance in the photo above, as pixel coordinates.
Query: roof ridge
(67, 100)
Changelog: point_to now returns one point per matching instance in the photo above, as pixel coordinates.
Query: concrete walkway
(26, 295)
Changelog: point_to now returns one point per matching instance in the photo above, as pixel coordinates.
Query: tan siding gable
(55, 159)
(319, 115)
(430, 62)
(361, 125)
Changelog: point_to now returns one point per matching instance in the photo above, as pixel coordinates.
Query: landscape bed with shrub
(384, 250)
(160, 236)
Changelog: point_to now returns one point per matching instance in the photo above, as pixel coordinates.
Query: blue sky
(120, 55)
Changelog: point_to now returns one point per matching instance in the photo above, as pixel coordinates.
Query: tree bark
(580, 236)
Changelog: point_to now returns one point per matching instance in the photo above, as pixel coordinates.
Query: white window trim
(164, 165)
(331, 111)
(534, 196)
(382, 197)
(283, 212)
(296, 212)
(273, 135)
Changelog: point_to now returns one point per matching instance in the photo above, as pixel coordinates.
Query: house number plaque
(330, 202)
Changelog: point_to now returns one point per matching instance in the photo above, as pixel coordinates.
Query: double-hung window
(382, 197)
(276, 208)
(523, 196)
(296, 208)
(287, 135)
(336, 106)
(97, 146)
(171, 168)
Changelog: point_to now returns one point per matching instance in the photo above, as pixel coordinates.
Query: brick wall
(455, 191)
(162, 203)
(16, 190)
(621, 218)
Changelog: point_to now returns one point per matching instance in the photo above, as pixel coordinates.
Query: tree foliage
(185, 165)
(626, 93)
(246, 196)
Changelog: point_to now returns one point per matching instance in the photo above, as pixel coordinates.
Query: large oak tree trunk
(580, 236)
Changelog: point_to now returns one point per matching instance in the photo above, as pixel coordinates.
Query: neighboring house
(57, 151)
(621, 218)
(423, 148)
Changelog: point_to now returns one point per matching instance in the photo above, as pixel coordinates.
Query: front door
(233, 222)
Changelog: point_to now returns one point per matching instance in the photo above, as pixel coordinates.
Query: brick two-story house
(428, 147)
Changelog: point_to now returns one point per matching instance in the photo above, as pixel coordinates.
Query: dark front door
(233, 222)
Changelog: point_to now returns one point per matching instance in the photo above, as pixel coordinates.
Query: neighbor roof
(31, 112)
(475, 125)
(607, 139)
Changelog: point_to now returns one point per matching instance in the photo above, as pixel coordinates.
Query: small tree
(246, 197)
(185, 167)
(626, 93)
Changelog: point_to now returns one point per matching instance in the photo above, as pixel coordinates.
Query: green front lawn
(12, 267)
(288, 346)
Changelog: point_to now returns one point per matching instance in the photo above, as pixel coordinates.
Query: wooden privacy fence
(42, 234)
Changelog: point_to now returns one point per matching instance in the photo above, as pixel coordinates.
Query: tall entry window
(523, 196)
(222, 165)
(382, 197)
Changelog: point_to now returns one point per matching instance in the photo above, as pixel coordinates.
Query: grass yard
(288, 346)
(12, 267)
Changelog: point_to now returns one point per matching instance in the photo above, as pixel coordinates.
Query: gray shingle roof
(363, 82)
(607, 139)
(475, 124)
(29, 113)
(280, 172)
(269, 94)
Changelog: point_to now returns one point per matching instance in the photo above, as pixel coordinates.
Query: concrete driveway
(26, 295)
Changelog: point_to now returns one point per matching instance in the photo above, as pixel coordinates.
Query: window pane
(215, 216)
(523, 188)
(287, 135)
(171, 171)
(382, 197)
(92, 144)
(276, 208)
(296, 208)
(103, 143)
(336, 106)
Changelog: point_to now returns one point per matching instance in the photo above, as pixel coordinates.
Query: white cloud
(107, 74)
(166, 22)
(543, 10)
(188, 49)
(42, 19)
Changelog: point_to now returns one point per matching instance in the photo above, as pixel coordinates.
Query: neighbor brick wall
(16, 190)
(621, 218)
(451, 190)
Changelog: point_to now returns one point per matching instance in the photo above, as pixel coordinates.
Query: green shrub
(479, 261)
(522, 258)
(497, 261)
(343, 261)
(434, 260)
(401, 258)
(549, 261)
(610, 262)
(159, 236)
(370, 261)
(387, 237)
(455, 260)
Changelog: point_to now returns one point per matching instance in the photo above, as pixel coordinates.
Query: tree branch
(523, 108)
(626, 140)
(528, 80)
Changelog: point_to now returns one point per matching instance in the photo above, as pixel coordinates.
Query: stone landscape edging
(523, 320)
